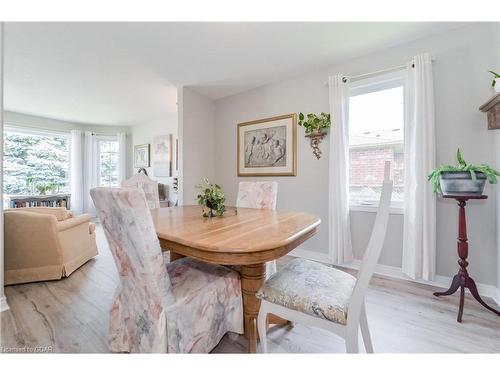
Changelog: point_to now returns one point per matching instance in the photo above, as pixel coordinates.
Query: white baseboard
(3, 304)
(396, 273)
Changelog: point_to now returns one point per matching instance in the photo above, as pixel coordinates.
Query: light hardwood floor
(71, 315)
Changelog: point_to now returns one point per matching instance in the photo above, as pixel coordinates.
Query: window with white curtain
(108, 156)
(376, 135)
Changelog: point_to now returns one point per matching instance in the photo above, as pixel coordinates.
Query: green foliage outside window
(35, 164)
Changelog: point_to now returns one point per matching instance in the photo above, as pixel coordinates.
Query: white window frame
(366, 86)
(104, 138)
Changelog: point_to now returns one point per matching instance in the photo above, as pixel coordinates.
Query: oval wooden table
(245, 237)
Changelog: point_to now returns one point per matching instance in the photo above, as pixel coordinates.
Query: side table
(462, 279)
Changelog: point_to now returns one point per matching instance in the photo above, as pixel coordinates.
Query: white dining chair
(318, 295)
(149, 186)
(261, 195)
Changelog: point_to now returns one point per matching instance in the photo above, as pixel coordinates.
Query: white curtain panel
(122, 157)
(419, 237)
(90, 171)
(340, 230)
(76, 172)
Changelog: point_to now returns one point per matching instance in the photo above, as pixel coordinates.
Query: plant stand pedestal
(462, 279)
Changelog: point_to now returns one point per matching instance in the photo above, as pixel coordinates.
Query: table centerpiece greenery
(212, 199)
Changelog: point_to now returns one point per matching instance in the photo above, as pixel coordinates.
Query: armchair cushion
(311, 288)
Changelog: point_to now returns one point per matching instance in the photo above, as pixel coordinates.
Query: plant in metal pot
(212, 199)
(315, 127)
(462, 179)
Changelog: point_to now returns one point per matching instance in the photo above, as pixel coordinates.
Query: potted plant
(44, 188)
(316, 127)
(212, 199)
(496, 81)
(315, 124)
(462, 179)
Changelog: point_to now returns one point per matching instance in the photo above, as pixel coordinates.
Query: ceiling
(127, 73)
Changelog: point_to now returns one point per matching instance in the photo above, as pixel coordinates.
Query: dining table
(243, 237)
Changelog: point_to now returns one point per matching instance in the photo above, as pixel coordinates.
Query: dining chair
(149, 186)
(318, 295)
(261, 195)
(185, 306)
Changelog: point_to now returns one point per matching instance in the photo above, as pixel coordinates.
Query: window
(376, 135)
(35, 162)
(107, 148)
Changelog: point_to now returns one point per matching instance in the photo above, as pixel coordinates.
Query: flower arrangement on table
(212, 199)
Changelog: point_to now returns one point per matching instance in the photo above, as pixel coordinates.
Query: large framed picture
(268, 147)
(141, 156)
(162, 155)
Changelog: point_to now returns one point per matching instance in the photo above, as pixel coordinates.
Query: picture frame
(267, 147)
(162, 155)
(176, 155)
(142, 155)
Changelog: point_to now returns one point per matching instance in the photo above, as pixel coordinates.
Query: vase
(461, 183)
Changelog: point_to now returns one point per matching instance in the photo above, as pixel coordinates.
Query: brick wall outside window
(366, 171)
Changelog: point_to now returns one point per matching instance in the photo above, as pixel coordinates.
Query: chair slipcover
(183, 307)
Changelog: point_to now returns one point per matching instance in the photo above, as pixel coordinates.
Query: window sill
(360, 208)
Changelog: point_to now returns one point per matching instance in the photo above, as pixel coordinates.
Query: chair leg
(262, 328)
(351, 341)
(365, 331)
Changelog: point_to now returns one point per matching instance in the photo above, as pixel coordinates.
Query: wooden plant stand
(462, 279)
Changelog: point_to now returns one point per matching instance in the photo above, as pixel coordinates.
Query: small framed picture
(268, 147)
(141, 156)
(162, 155)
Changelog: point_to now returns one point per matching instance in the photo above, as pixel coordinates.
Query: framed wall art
(268, 147)
(162, 155)
(141, 156)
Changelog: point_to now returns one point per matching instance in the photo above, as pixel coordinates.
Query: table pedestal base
(465, 282)
(252, 278)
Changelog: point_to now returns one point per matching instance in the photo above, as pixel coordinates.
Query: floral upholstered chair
(149, 186)
(182, 307)
(261, 195)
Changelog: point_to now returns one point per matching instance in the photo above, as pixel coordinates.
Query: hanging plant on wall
(316, 128)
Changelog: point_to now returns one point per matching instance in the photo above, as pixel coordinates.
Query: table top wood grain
(241, 236)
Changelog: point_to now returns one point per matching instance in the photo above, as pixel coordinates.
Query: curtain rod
(377, 72)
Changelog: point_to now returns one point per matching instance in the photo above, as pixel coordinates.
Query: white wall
(144, 133)
(197, 142)
(3, 301)
(463, 57)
